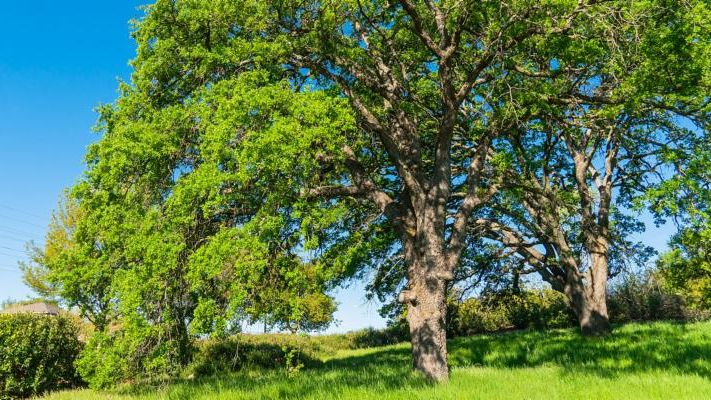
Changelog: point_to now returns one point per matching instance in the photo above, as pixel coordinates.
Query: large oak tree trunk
(592, 315)
(425, 297)
(589, 298)
(426, 313)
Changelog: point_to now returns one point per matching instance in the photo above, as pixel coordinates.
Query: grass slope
(638, 361)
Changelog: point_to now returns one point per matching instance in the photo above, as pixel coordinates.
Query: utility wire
(22, 221)
(17, 256)
(12, 249)
(29, 214)
(13, 231)
(15, 266)
(14, 239)
(10, 270)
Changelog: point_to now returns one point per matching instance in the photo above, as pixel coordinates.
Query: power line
(13, 231)
(14, 265)
(10, 270)
(14, 268)
(13, 249)
(16, 256)
(22, 221)
(6, 237)
(29, 214)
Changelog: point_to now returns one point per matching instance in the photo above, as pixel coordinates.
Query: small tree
(686, 198)
(72, 265)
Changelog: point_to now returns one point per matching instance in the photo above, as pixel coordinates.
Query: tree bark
(426, 314)
(592, 317)
(589, 299)
(595, 322)
(425, 296)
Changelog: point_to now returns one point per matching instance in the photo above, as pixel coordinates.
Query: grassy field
(638, 361)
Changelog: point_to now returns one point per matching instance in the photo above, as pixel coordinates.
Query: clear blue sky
(58, 60)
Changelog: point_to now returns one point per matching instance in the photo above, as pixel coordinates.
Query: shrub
(283, 351)
(640, 296)
(38, 354)
(645, 297)
(102, 363)
(395, 333)
(539, 308)
(129, 354)
(688, 275)
(250, 352)
(476, 316)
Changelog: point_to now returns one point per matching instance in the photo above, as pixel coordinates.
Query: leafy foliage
(505, 310)
(265, 152)
(37, 354)
(645, 296)
(686, 197)
(234, 354)
(690, 277)
(72, 266)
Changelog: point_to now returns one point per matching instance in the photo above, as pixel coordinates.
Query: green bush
(130, 355)
(688, 275)
(493, 312)
(645, 297)
(476, 316)
(103, 362)
(283, 351)
(370, 337)
(325, 345)
(37, 354)
(632, 297)
(238, 352)
(540, 309)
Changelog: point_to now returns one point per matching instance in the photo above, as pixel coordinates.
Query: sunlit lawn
(638, 361)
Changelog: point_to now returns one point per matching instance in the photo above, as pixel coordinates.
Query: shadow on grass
(383, 369)
(387, 368)
(629, 349)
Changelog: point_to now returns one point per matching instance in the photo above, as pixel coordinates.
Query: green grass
(638, 361)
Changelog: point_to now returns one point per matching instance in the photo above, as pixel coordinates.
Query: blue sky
(58, 60)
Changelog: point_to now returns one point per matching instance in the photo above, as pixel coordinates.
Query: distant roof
(32, 308)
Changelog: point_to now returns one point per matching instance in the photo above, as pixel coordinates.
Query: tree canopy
(264, 152)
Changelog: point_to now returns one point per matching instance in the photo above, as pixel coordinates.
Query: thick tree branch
(418, 27)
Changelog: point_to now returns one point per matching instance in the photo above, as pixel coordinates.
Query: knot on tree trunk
(446, 276)
(407, 297)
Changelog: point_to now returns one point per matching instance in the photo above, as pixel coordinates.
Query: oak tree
(601, 127)
(265, 152)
